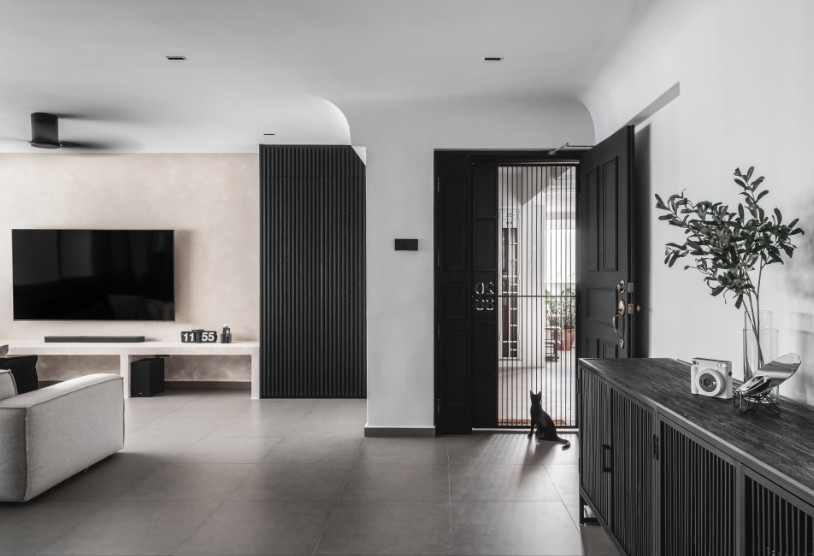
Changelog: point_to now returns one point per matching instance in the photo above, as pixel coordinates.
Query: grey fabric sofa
(51, 434)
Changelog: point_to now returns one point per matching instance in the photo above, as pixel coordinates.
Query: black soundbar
(95, 339)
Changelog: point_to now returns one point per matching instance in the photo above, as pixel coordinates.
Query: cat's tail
(565, 443)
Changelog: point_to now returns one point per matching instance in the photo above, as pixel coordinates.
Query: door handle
(606, 467)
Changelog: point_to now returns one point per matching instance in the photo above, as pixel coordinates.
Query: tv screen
(93, 274)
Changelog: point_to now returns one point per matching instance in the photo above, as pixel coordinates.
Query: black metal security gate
(536, 291)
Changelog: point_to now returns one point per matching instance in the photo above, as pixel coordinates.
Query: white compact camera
(710, 377)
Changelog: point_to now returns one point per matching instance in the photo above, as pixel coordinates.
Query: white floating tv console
(128, 350)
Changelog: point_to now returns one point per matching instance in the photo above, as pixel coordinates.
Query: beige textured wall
(210, 200)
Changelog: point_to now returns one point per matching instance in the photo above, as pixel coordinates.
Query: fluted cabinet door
(312, 277)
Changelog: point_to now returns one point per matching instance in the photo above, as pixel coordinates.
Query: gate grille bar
(536, 293)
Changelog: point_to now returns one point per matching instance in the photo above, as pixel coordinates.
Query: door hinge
(655, 447)
(438, 185)
(438, 406)
(438, 258)
(437, 332)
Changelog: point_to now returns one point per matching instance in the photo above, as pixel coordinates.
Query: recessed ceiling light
(492, 58)
(176, 58)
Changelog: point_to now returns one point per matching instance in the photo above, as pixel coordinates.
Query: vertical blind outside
(312, 272)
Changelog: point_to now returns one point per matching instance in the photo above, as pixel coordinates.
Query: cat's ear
(540, 393)
(531, 393)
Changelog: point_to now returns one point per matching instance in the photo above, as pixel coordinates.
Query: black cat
(546, 429)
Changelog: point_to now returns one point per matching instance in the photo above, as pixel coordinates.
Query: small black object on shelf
(146, 377)
(199, 336)
(226, 336)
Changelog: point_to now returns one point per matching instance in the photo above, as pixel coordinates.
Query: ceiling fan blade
(109, 145)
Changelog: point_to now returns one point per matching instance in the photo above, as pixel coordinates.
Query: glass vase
(753, 358)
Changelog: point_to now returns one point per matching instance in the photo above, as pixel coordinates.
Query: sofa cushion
(7, 387)
(24, 369)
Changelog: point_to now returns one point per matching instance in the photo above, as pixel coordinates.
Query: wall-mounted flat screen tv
(93, 274)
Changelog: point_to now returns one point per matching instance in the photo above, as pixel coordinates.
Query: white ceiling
(257, 66)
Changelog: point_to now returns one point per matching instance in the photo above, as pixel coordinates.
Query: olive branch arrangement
(731, 249)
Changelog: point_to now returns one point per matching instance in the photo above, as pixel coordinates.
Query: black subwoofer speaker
(146, 377)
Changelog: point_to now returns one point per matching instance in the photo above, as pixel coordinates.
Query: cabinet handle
(606, 467)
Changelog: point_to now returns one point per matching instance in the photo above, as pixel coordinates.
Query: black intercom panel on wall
(406, 245)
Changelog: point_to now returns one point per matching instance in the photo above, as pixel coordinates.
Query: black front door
(606, 283)
(466, 220)
(468, 230)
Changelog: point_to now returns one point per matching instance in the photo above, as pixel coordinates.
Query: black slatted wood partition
(698, 490)
(776, 522)
(312, 272)
(595, 440)
(632, 475)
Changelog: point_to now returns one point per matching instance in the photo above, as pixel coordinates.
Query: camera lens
(708, 382)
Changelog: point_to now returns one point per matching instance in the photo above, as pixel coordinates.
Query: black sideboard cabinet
(668, 472)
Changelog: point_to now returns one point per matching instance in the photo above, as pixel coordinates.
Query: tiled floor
(215, 473)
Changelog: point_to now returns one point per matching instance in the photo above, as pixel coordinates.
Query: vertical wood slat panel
(698, 497)
(312, 283)
(780, 524)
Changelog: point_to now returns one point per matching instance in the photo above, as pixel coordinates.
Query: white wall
(400, 140)
(211, 201)
(744, 68)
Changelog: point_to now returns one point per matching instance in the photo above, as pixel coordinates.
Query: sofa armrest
(55, 432)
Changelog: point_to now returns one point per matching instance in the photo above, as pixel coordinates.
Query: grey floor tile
(389, 495)
(105, 480)
(565, 479)
(27, 528)
(194, 426)
(190, 481)
(428, 451)
(510, 449)
(229, 449)
(221, 406)
(365, 527)
(315, 448)
(260, 527)
(280, 407)
(254, 424)
(502, 483)
(395, 482)
(135, 527)
(520, 528)
(598, 542)
(153, 449)
(294, 481)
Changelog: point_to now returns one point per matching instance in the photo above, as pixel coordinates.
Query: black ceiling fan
(45, 134)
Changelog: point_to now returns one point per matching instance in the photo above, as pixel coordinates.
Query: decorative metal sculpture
(756, 391)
